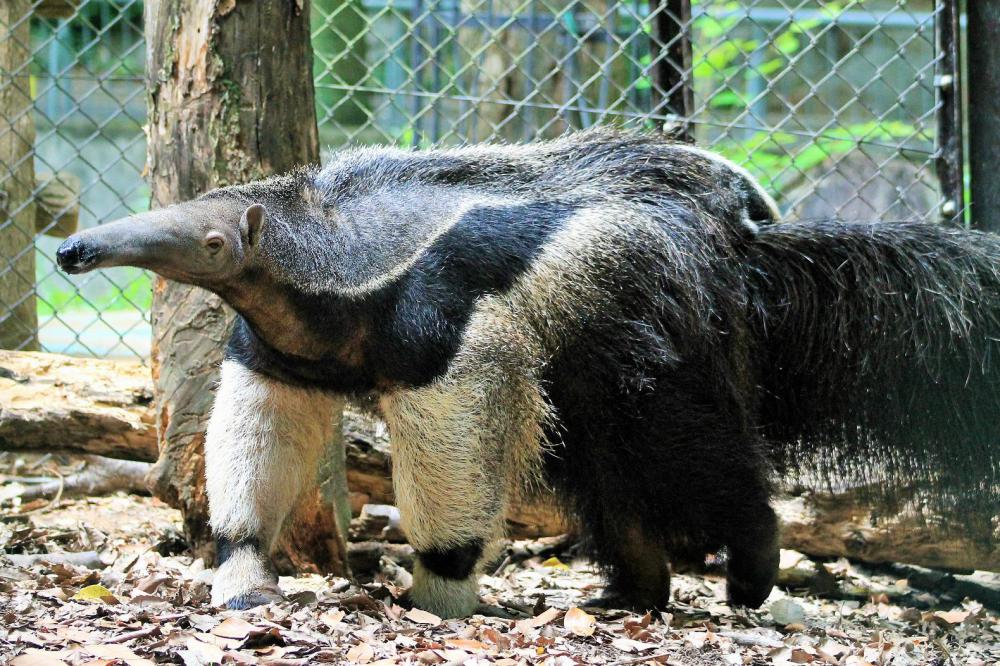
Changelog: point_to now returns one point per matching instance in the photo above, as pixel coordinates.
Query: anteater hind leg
(636, 566)
(261, 451)
(752, 569)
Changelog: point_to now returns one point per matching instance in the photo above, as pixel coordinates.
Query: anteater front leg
(261, 451)
(459, 446)
(450, 506)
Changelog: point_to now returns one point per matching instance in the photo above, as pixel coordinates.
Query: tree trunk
(18, 316)
(230, 100)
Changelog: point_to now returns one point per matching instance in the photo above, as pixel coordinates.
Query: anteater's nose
(71, 256)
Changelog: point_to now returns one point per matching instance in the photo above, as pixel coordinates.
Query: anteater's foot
(748, 593)
(244, 580)
(253, 599)
(752, 569)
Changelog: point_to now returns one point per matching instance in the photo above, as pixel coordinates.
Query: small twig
(136, 559)
(54, 502)
(516, 607)
(500, 567)
(13, 478)
(62, 486)
(648, 657)
(138, 633)
(41, 461)
(754, 640)
(88, 558)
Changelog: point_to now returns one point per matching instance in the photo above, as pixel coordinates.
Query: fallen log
(97, 476)
(849, 524)
(89, 559)
(50, 402)
(58, 403)
(843, 524)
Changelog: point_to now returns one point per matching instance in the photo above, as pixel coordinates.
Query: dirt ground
(140, 600)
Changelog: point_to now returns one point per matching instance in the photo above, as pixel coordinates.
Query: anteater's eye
(214, 242)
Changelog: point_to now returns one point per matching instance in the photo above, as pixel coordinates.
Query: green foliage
(136, 294)
(719, 58)
(722, 56)
(772, 156)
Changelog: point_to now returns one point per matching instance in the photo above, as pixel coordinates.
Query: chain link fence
(834, 105)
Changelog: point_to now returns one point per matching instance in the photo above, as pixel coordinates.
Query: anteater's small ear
(251, 224)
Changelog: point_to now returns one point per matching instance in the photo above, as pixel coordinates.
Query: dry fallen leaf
(332, 618)
(555, 563)
(422, 617)
(361, 653)
(176, 624)
(802, 656)
(854, 660)
(150, 583)
(53, 593)
(628, 645)
(116, 652)
(34, 657)
(579, 622)
(953, 617)
(234, 627)
(465, 644)
(199, 653)
(539, 620)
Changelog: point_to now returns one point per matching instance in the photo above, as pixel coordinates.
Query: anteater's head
(208, 242)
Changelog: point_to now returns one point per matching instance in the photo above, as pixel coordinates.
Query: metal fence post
(984, 112)
(672, 60)
(949, 163)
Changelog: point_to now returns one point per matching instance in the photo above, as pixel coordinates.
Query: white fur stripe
(733, 166)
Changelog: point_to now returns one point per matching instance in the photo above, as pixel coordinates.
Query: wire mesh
(832, 104)
(78, 110)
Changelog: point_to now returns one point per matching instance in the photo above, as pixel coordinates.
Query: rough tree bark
(230, 100)
(18, 316)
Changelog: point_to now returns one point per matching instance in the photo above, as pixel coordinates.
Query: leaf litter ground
(136, 604)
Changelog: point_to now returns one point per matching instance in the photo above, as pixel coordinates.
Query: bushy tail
(880, 359)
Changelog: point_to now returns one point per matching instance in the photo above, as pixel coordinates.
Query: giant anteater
(613, 314)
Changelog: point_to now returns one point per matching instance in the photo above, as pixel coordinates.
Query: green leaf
(727, 99)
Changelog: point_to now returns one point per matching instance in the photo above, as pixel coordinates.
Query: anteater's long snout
(147, 240)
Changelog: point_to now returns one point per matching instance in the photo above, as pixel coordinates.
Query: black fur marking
(416, 322)
(225, 547)
(456, 563)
